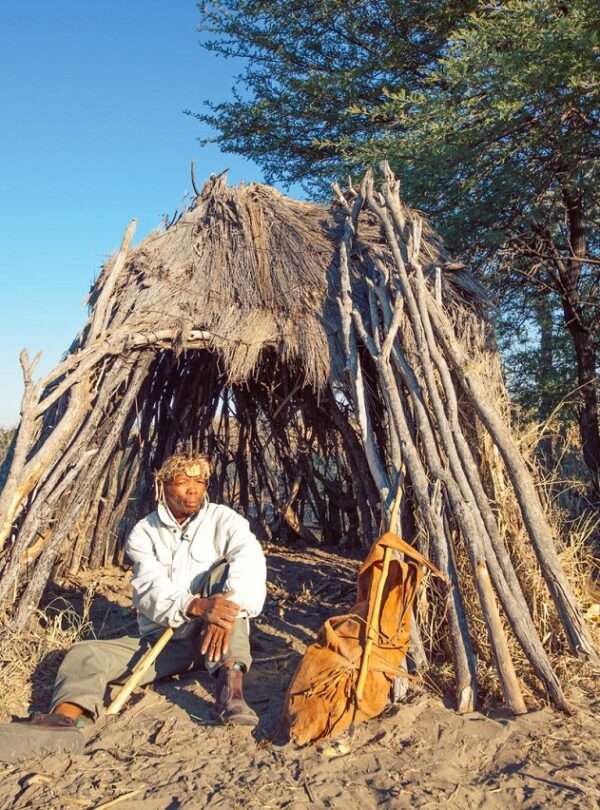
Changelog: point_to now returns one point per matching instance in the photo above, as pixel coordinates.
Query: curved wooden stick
(139, 671)
(373, 628)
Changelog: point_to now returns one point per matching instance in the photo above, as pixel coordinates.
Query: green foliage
(310, 66)
(474, 104)
(6, 437)
(538, 356)
(502, 125)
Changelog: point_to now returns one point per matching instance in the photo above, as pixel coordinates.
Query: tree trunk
(580, 329)
(587, 361)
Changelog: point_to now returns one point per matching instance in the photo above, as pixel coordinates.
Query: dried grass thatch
(324, 356)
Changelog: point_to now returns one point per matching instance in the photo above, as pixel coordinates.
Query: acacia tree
(489, 113)
(538, 353)
(307, 62)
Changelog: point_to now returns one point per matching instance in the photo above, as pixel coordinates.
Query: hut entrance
(284, 455)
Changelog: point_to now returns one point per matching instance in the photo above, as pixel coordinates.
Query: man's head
(181, 483)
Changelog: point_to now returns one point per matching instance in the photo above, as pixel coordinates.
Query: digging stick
(373, 628)
(139, 671)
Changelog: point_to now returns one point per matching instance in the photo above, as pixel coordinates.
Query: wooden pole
(139, 671)
(373, 627)
(511, 689)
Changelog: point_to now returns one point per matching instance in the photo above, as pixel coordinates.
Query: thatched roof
(253, 268)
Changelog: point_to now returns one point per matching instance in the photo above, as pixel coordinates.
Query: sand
(164, 753)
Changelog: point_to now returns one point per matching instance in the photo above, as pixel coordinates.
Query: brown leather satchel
(321, 699)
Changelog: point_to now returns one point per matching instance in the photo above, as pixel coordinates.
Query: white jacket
(169, 560)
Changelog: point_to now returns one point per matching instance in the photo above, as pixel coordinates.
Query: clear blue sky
(93, 133)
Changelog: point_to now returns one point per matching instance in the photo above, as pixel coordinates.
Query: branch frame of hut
(319, 355)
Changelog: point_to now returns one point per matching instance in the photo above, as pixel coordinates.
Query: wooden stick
(353, 365)
(103, 306)
(373, 628)
(122, 798)
(458, 491)
(497, 558)
(139, 671)
(511, 689)
(464, 657)
(464, 471)
(532, 511)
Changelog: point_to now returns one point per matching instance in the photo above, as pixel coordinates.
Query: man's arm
(154, 593)
(247, 567)
(245, 586)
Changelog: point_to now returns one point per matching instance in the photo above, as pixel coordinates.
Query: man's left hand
(215, 642)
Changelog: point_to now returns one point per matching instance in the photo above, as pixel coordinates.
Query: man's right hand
(217, 610)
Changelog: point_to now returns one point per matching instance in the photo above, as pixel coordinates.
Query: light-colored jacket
(169, 560)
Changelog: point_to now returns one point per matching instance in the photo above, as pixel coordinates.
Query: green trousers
(90, 666)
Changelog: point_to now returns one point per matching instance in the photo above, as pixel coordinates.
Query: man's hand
(216, 610)
(215, 642)
(219, 613)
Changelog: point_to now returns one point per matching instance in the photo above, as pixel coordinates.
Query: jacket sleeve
(154, 593)
(247, 567)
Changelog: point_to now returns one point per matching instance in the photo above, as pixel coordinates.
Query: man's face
(184, 494)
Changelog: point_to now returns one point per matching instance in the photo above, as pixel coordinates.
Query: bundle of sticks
(424, 395)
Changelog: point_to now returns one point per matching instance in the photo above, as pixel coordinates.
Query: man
(198, 568)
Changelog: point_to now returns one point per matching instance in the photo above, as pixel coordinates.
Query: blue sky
(93, 133)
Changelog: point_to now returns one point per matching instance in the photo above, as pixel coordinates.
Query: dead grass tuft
(576, 522)
(30, 658)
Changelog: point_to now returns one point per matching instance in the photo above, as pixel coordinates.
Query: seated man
(198, 568)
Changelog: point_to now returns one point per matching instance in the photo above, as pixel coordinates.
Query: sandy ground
(163, 752)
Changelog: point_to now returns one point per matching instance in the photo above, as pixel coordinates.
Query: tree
(506, 128)
(489, 113)
(307, 63)
(538, 354)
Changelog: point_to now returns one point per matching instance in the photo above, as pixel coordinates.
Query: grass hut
(324, 356)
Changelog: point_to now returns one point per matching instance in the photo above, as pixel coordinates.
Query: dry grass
(30, 659)
(576, 522)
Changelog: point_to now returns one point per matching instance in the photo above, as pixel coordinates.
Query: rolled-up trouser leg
(213, 582)
(90, 666)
